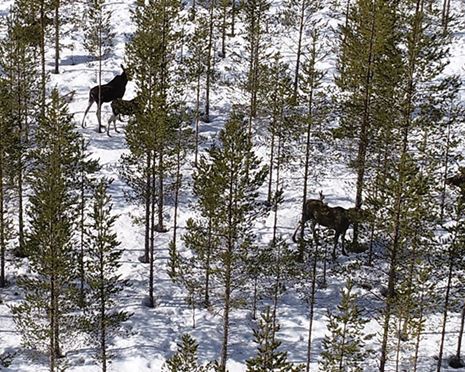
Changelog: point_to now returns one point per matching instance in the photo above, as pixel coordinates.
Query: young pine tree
(18, 62)
(256, 13)
(268, 357)
(8, 144)
(343, 347)
(152, 136)
(44, 317)
(98, 40)
(237, 175)
(185, 359)
(103, 279)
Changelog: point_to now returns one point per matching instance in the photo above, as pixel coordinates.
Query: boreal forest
(232, 185)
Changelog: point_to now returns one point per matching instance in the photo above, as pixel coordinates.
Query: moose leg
(114, 122)
(315, 236)
(91, 102)
(343, 240)
(99, 117)
(336, 238)
(295, 232)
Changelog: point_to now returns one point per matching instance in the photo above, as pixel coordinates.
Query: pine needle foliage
(268, 358)
(104, 260)
(185, 359)
(343, 347)
(98, 39)
(45, 318)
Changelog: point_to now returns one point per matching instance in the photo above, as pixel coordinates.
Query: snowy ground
(151, 334)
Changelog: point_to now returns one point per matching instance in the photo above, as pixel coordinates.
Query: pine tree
(236, 174)
(281, 128)
(86, 167)
(98, 39)
(44, 317)
(256, 13)
(181, 150)
(411, 170)
(343, 347)
(312, 119)
(18, 62)
(297, 16)
(8, 143)
(103, 261)
(185, 358)
(268, 357)
(369, 65)
(210, 58)
(152, 135)
(197, 62)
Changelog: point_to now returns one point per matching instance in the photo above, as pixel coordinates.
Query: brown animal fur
(337, 218)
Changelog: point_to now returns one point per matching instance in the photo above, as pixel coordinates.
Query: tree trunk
(2, 223)
(446, 308)
(307, 156)
(459, 342)
(152, 239)
(209, 66)
(299, 48)
(207, 264)
(226, 310)
(311, 311)
(103, 325)
(363, 144)
(57, 36)
(197, 119)
(148, 203)
(161, 181)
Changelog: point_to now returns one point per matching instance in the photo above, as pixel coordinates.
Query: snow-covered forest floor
(151, 334)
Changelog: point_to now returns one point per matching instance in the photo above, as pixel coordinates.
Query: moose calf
(120, 107)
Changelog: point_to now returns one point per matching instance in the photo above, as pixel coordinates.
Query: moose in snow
(107, 93)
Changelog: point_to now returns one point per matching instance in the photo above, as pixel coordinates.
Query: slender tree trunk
(209, 65)
(311, 312)
(446, 170)
(82, 238)
(223, 31)
(207, 264)
(342, 344)
(161, 181)
(226, 309)
(233, 18)
(99, 103)
(445, 14)
(2, 223)
(228, 257)
(177, 188)
(42, 58)
(148, 203)
(270, 178)
(390, 297)
(103, 325)
(307, 158)
(152, 239)
(197, 119)
(418, 338)
(446, 309)
(52, 316)
(299, 47)
(363, 144)
(57, 36)
(22, 245)
(459, 342)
